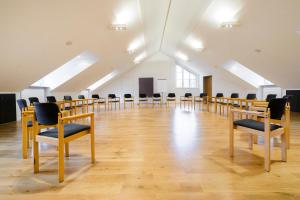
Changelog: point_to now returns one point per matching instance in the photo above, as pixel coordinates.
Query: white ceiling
(35, 37)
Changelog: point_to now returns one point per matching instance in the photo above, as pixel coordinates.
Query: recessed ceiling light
(194, 43)
(229, 24)
(119, 27)
(182, 56)
(140, 57)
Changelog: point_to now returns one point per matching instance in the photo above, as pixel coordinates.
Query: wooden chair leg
(67, 149)
(36, 158)
(231, 135)
(267, 146)
(251, 141)
(283, 148)
(61, 167)
(24, 139)
(92, 140)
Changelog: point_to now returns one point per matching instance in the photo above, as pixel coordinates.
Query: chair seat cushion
(68, 108)
(29, 124)
(128, 100)
(113, 101)
(253, 124)
(69, 129)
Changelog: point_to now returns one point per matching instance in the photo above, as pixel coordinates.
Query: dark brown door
(146, 86)
(207, 85)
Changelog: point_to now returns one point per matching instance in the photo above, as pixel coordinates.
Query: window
(246, 74)
(185, 79)
(67, 71)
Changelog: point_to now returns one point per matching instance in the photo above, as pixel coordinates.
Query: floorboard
(152, 153)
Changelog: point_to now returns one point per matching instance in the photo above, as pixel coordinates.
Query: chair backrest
(81, 96)
(51, 99)
(67, 98)
(156, 95)
(288, 98)
(112, 96)
(127, 96)
(142, 95)
(204, 94)
(188, 95)
(219, 95)
(33, 100)
(46, 113)
(270, 97)
(277, 108)
(95, 96)
(171, 95)
(22, 104)
(251, 96)
(234, 95)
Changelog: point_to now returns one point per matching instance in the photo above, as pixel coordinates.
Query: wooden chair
(227, 102)
(27, 130)
(273, 125)
(143, 99)
(33, 100)
(188, 97)
(156, 99)
(128, 98)
(48, 115)
(201, 99)
(216, 101)
(99, 100)
(69, 104)
(112, 99)
(171, 98)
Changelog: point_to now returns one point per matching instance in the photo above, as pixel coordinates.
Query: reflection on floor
(152, 153)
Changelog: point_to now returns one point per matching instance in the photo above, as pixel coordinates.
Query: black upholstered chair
(288, 98)
(216, 100)
(128, 98)
(156, 99)
(99, 100)
(251, 96)
(67, 98)
(187, 98)
(81, 96)
(142, 99)
(113, 99)
(273, 125)
(70, 105)
(51, 99)
(33, 100)
(59, 133)
(27, 131)
(270, 97)
(171, 98)
(201, 99)
(227, 102)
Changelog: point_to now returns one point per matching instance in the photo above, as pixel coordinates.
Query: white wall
(165, 69)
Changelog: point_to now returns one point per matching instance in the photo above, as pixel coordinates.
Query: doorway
(207, 85)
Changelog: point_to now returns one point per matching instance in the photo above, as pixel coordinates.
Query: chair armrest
(81, 116)
(65, 113)
(248, 112)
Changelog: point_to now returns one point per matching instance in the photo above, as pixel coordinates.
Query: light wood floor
(152, 153)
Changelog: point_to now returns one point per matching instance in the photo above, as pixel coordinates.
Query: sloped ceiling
(37, 37)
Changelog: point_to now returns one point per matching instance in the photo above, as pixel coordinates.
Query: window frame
(183, 79)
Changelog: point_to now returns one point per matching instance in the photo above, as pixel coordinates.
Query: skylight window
(67, 71)
(246, 74)
(103, 80)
